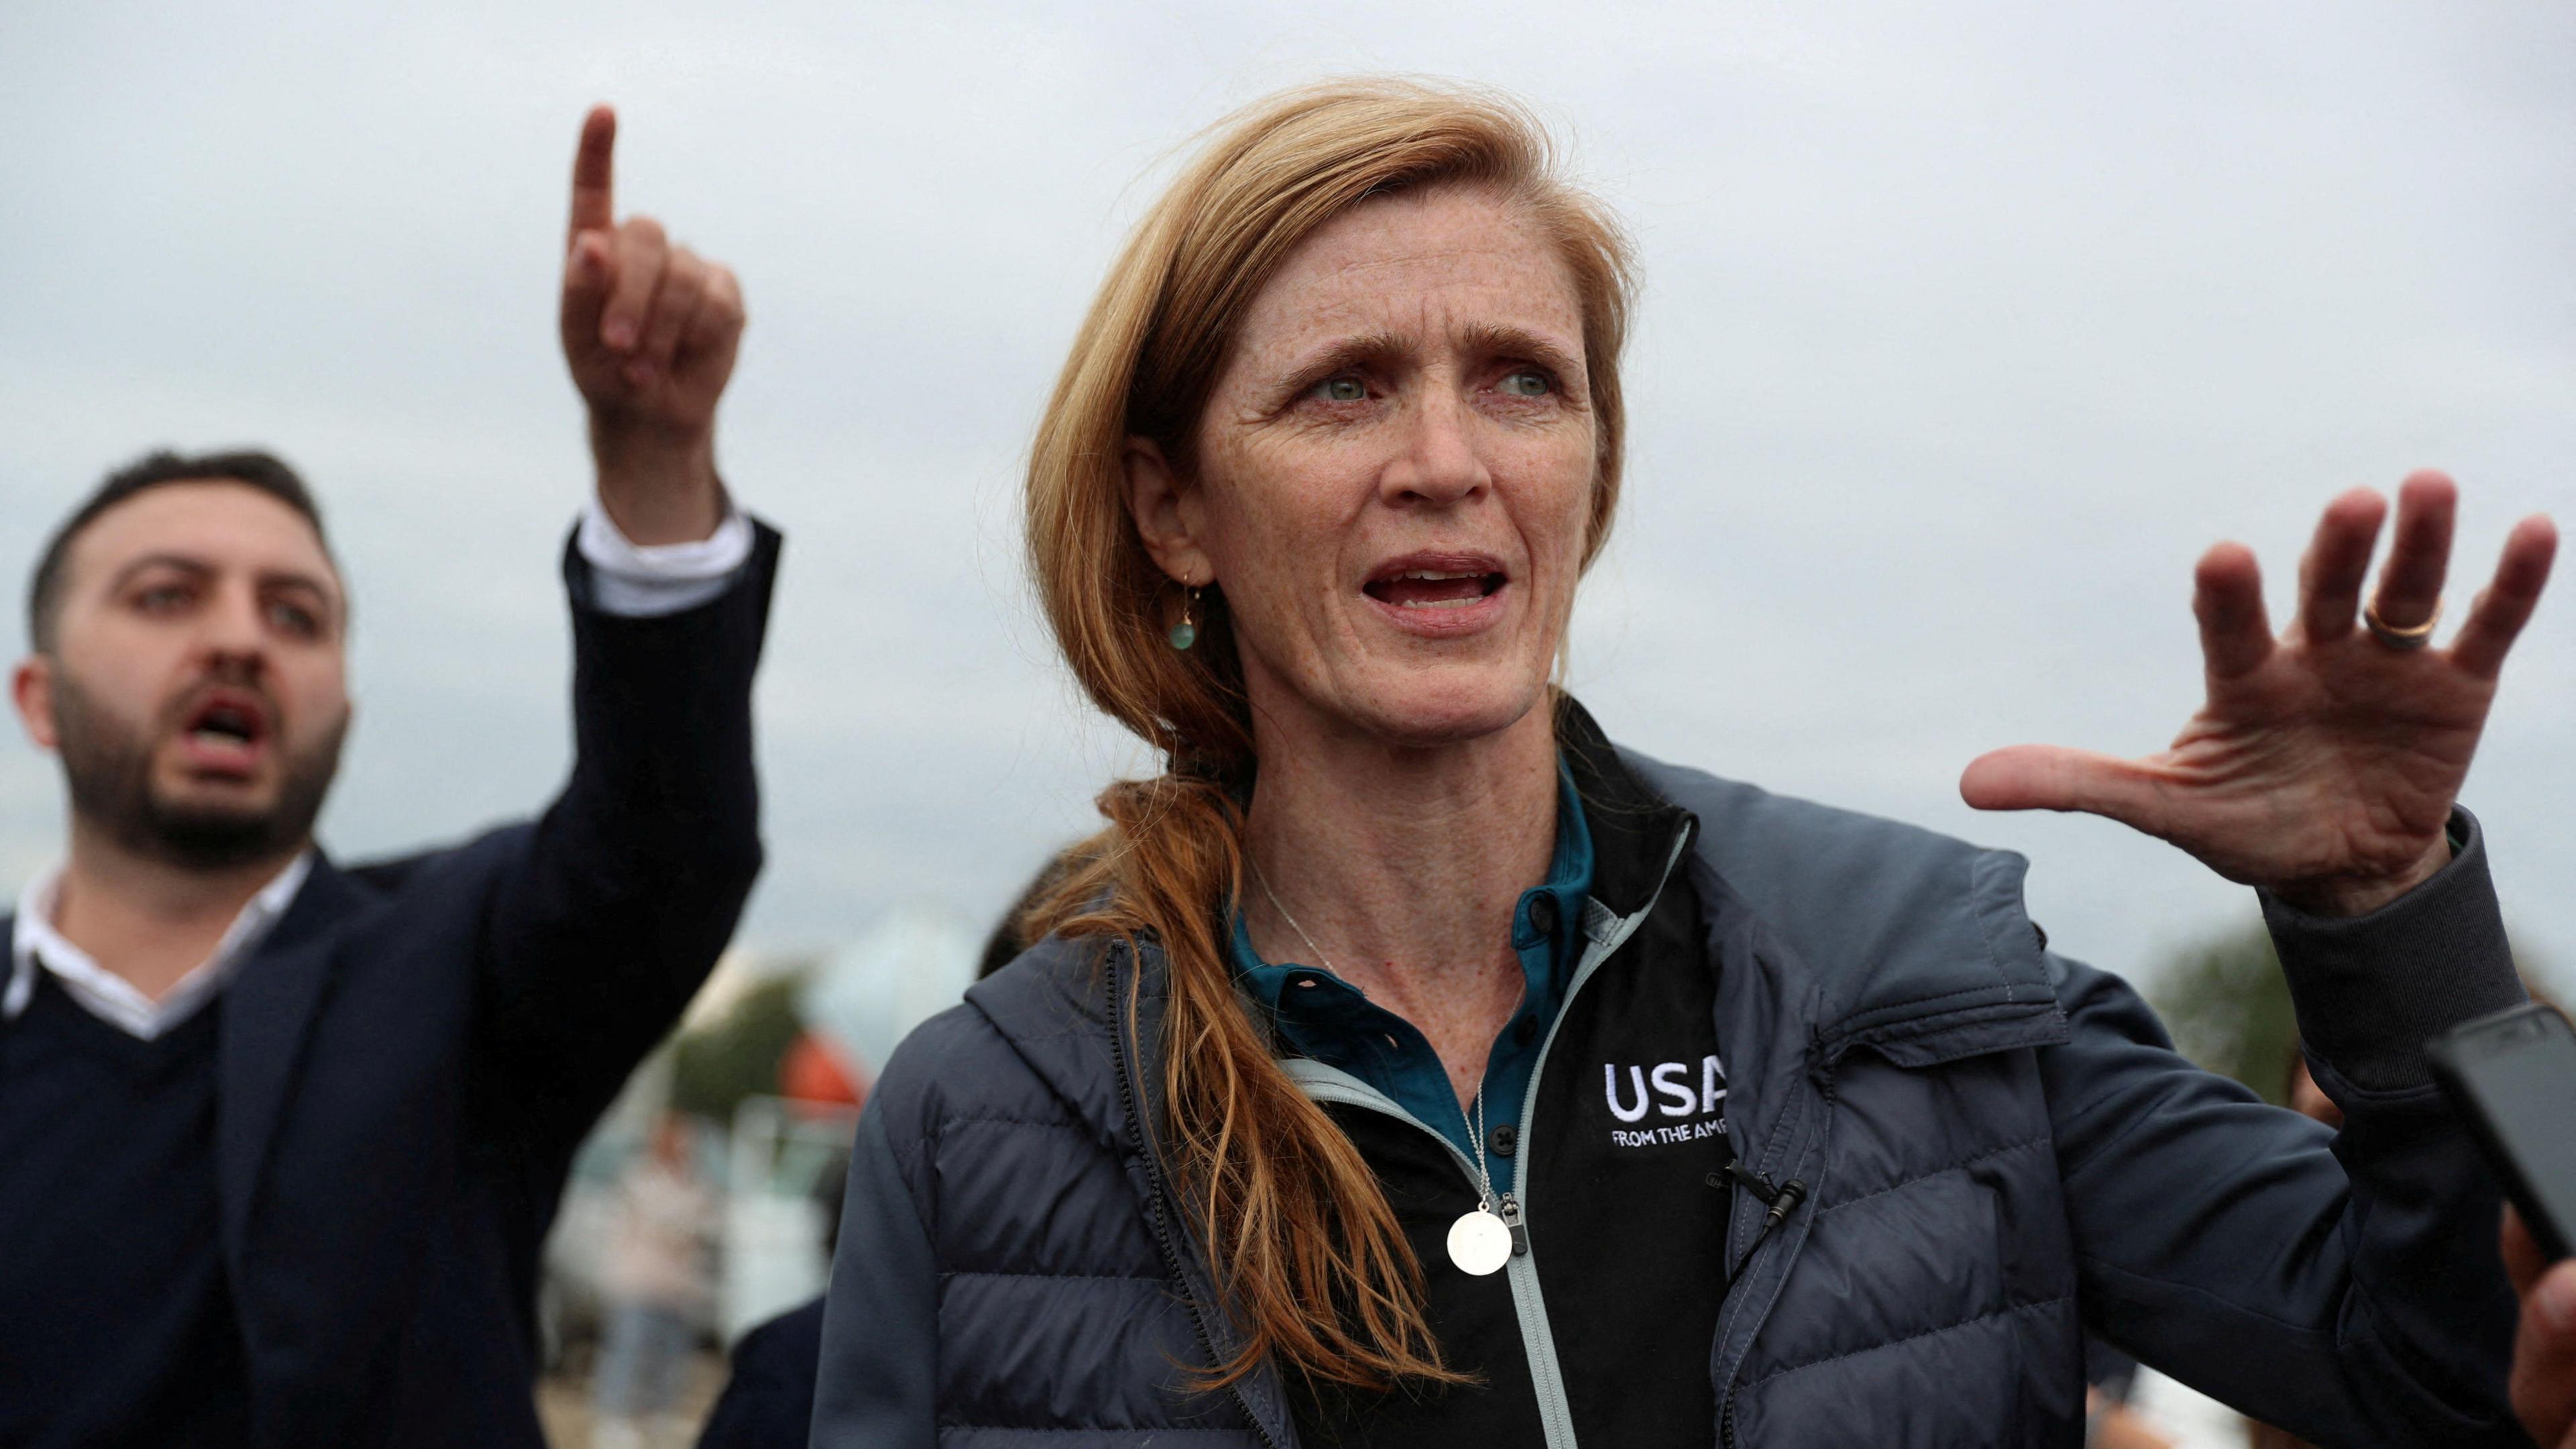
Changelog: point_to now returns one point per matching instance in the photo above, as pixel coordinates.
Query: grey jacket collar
(1835, 931)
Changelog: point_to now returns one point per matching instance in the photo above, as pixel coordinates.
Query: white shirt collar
(34, 943)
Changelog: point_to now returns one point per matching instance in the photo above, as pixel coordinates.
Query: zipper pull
(1511, 1215)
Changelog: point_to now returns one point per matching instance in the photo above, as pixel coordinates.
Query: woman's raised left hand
(2324, 762)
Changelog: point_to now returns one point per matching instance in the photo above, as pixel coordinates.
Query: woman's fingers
(2544, 1346)
(2337, 560)
(2052, 777)
(2506, 604)
(2544, 1358)
(2410, 583)
(2522, 1261)
(642, 255)
(2227, 598)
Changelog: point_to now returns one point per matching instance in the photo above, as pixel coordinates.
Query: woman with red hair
(1408, 1064)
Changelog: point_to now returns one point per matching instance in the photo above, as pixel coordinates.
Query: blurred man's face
(197, 690)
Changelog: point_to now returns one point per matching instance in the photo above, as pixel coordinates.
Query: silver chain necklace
(1480, 1242)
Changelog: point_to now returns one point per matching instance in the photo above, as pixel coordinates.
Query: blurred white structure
(779, 1157)
(915, 962)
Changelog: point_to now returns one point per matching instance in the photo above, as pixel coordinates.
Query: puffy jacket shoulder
(1050, 1305)
(1910, 934)
(1004, 1114)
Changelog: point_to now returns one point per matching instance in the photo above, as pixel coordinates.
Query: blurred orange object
(813, 1072)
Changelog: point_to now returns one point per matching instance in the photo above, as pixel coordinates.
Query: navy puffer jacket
(2000, 1151)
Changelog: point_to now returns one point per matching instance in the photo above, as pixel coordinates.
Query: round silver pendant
(1479, 1243)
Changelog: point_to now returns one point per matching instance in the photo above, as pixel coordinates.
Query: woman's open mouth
(1439, 593)
(1434, 588)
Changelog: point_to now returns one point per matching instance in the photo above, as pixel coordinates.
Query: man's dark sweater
(107, 1211)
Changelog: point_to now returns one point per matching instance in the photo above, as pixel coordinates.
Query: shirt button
(1542, 915)
(1503, 1139)
(1527, 1031)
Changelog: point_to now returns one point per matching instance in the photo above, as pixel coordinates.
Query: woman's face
(1394, 473)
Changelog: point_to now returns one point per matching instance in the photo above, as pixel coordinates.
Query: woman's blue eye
(1527, 382)
(1342, 389)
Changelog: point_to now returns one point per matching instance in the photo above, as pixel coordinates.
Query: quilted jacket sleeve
(876, 1384)
(2344, 1286)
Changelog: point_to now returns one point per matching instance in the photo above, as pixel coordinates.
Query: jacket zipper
(1546, 1376)
(1555, 1416)
(1511, 1215)
(1162, 1227)
(1782, 1200)
(1334, 1086)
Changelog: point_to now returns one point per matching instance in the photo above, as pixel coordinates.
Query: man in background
(279, 1140)
(659, 1286)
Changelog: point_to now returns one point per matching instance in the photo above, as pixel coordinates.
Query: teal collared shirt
(1320, 1015)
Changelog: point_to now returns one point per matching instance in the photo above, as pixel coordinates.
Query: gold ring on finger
(2402, 640)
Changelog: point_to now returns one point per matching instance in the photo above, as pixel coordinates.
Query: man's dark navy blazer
(409, 1060)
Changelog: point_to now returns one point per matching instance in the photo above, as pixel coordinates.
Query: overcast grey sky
(1966, 328)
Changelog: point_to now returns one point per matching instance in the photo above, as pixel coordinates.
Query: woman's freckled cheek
(1281, 498)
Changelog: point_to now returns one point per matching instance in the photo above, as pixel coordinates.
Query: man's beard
(108, 767)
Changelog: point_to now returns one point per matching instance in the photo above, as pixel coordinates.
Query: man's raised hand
(2324, 763)
(650, 331)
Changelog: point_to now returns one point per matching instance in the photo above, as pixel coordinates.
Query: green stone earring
(1184, 634)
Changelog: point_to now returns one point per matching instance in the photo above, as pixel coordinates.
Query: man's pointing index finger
(593, 198)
